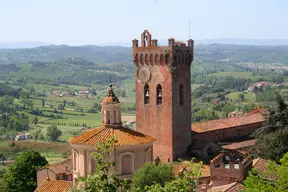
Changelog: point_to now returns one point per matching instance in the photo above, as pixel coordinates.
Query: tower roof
(124, 137)
(111, 98)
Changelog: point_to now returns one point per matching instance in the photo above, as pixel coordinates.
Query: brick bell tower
(163, 94)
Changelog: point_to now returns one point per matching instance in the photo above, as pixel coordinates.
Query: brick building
(228, 167)
(60, 171)
(163, 94)
(229, 129)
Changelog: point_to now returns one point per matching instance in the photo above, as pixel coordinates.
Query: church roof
(124, 137)
(255, 116)
(54, 186)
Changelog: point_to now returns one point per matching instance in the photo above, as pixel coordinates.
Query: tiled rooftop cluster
(62, 167)
(54, 186)
(254, 116)
(124, 137)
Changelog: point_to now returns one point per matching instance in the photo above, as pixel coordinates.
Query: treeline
(11, 119)
(10, 91)
(227, 82)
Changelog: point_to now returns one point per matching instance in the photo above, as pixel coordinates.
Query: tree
(53, 133)
(272, 137)
(104, 179)
(23, 173)
(186, 183)
(37, 135)
(35, 120)
(241, 96)
(123, 93)
(25, 101)
(32, 90)
(151, 173)
(3, 185)
(43, 103)
(273, 179)
(227, 108)
(61, 107)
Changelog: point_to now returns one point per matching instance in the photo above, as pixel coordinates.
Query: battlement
(150, 53)
(230, 166)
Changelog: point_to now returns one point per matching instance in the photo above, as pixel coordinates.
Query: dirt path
(129, 118)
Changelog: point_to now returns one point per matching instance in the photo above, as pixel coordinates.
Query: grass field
(52, 151)
(49, 88)
(247, 96)
(195, 86)
(67, 131)
(245, 75)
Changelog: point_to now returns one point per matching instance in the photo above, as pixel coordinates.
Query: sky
(79, 22)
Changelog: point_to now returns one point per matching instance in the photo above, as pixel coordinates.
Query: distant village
(69, 93)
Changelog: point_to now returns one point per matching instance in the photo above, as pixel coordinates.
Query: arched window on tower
(159, 94)
(181, 94)
(146, 94)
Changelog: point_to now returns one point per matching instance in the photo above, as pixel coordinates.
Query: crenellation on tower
(230, 166)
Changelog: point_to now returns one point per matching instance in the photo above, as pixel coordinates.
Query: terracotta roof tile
(236, 188)
(124, 136)
(255, 116)
(260, 164)
(222, 188)
(62, 167)
(179, 168)
(240, 145)
(54, 186)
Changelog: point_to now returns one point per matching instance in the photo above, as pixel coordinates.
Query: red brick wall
(169, 123)
(228, 133)
(181, 113)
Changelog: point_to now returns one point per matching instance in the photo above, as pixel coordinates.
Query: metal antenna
(110, 84)
(189, 30)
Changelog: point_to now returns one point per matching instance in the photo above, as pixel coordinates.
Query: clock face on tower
(143, 74)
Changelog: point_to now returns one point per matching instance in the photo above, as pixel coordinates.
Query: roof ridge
(244, 115)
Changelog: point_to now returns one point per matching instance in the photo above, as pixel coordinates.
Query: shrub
(150, 174)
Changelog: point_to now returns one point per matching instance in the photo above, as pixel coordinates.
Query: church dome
(124, 137)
